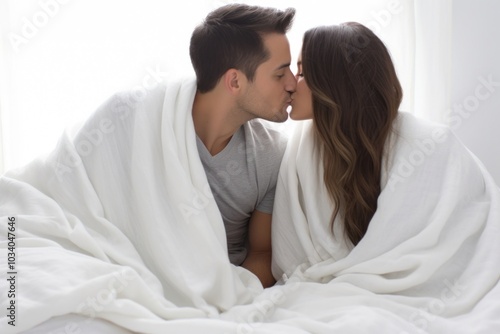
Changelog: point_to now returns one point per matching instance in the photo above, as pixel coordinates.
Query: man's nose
(291, 83)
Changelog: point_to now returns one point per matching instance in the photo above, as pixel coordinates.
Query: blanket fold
(122, 213)
(118, 227)
(432, 243)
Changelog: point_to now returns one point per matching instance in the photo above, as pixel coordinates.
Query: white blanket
(432, 250)
(118, 224)
(119, 221)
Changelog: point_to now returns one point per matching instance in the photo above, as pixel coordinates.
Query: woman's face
(302, 106)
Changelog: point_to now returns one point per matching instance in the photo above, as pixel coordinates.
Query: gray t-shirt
(243, 179)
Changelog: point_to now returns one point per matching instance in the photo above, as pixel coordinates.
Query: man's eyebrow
(282, 66)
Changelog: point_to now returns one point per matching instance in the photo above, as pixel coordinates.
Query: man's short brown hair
(231, 37)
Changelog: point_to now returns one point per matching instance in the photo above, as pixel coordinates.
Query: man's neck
(216, 120)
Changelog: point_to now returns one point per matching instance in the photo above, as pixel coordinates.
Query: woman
(347, 84)
(375, 198)
(352, 117)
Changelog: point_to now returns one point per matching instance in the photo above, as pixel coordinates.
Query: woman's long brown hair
(356, 96)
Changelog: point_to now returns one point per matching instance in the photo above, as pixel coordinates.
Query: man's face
(268, 96)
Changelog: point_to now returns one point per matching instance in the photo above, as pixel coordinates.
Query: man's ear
(234, 80)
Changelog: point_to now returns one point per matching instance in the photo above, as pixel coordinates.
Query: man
(107, 216)
(241, 57)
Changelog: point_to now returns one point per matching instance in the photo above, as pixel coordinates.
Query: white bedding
(432, 250)
(117, 226)
(122, 212)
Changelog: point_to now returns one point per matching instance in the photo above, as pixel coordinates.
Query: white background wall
(476, 54)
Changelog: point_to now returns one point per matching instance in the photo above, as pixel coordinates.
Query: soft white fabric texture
(432, 250)
(122, 214)
(118, 224)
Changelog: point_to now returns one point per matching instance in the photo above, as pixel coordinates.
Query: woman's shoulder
(413, 132)
(409, 125)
